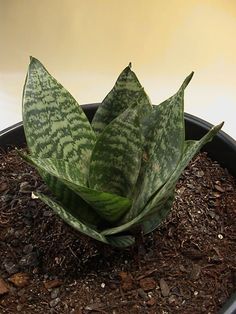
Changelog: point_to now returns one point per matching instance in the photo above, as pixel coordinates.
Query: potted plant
(116, 192)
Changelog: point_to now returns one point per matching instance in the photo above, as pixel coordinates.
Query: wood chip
(216, 194)
(50, 284)
(19, 279)
(147, 273)
(151, 302)
(200, 173)
(143, 294)
(165, 290)
(126, 281)
(94, 307)
(195, 273)
(181, 190)
(219, 188)
(147, 284)
(3, 186)
(3, 287)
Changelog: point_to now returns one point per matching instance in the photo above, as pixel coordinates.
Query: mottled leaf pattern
(164, 135)
(55, 125)
(126, 92)
(109, 206)
(116, 157)
(190, 149)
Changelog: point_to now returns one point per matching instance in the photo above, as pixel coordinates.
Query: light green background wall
(85, 44)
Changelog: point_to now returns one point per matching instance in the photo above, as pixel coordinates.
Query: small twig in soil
(4, 222)
(73, 253)
(148, 273)
(122, 293)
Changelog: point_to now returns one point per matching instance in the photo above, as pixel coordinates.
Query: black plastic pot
(222, 149)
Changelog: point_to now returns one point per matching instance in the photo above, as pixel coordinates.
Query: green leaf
(190, 149)
(108, 206)
(164, 134)
(126, 92)
(150, 223)
(55, 125)
(116, 157)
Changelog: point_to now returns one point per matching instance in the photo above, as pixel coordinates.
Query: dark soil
(186, 266)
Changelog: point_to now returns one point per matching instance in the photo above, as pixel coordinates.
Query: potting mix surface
(187, 265)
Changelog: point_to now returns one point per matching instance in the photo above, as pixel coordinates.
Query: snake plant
(117, 174)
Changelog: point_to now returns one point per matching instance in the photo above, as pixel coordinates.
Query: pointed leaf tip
(221, 124)
(116, 157)
(130, 65)
(218, 127)
(126, 91)
(35, 63)
(54, 124)
(33, 59)
(187, 81)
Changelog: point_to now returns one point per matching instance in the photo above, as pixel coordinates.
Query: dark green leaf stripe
(109, 206)
(164, 135)
(55, 125)
(190, 149)
(126, 92)
(116, 157)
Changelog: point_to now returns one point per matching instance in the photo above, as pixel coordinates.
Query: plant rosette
(117, 174)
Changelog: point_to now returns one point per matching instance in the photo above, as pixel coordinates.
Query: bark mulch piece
(188, 265)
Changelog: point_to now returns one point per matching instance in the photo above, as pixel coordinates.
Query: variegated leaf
(109, 206)
(190, 149)
(164, 135)
(116, 157)
(55, 125)
(126, 92)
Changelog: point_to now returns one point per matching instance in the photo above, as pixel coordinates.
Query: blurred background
(86, 44)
